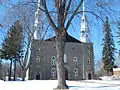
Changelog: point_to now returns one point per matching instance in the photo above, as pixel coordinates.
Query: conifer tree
(11, 46)
(118, 32)
(108, 49)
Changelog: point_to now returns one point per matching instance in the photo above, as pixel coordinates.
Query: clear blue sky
(95, 27)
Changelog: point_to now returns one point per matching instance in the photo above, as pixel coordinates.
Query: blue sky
(95, 27)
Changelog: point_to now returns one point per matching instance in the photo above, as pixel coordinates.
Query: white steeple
(84, 32)
(37, 24)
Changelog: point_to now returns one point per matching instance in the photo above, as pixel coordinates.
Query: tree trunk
(15, 70)
(60, 44)
(23, 75)
(10, 70)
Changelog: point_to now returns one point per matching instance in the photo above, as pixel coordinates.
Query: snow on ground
(50, 84)
(113, 77)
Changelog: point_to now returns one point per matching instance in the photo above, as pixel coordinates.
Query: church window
(53, 60)
(53, 72)
(75, 72)
(75, 59)
(88, 51)
(38, 49)
(38, 59)
(88, 60)
(83, 31)
(65, 58)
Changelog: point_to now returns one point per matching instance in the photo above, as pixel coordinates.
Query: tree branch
(71, 18)
(67, 9)
(49, 17)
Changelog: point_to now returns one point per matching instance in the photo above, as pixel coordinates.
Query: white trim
(38, 59)
(53, 72)
(75, 59)
(65, 58)
(53, 60)
(75, 71)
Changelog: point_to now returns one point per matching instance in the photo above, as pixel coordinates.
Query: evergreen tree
(11, 46)
(0, 68)
(108, 49)
(118, 32)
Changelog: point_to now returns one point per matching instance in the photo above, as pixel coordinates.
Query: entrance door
(89, 76)
(66, 73)
(38, 76)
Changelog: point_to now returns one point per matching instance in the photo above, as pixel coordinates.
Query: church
(78, 55)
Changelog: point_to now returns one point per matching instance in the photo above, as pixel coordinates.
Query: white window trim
(53, 57)
(65, 58)
(38, 49)
(53, 72)
(75, 59)
(88, 60)
(75, 71)
(89, 52)
(53, 61)
(38, 59)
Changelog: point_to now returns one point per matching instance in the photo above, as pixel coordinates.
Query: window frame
(38, 59)
(53, 61)
(75, 71)
(53, 72)
(75, 59)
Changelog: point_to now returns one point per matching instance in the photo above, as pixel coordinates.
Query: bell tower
(84, 31)
(37, 33)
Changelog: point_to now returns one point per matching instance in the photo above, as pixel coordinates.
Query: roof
(68, 39)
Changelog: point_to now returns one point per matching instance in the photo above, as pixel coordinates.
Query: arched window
(38, 59)
(38, 49)
(53, 60)
(88, 60)
(89, 52)
(75, 72)
(75, 59)
(53, 72)
(65, 58)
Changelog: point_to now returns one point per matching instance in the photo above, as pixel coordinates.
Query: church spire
(83, 8)
(84, 32)
(36, 24)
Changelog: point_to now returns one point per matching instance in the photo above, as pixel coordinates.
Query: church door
(66, 73)
(38, 76)
(89, 76)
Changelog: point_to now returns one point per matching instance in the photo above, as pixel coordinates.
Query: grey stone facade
(78, 60)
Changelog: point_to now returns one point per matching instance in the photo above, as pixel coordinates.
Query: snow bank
(114, 77)
(116, 69)
(50, 84)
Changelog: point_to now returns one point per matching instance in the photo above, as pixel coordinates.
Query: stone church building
(78, 56)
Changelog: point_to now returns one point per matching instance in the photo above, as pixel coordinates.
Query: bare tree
(25, 15)
(60, 14)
